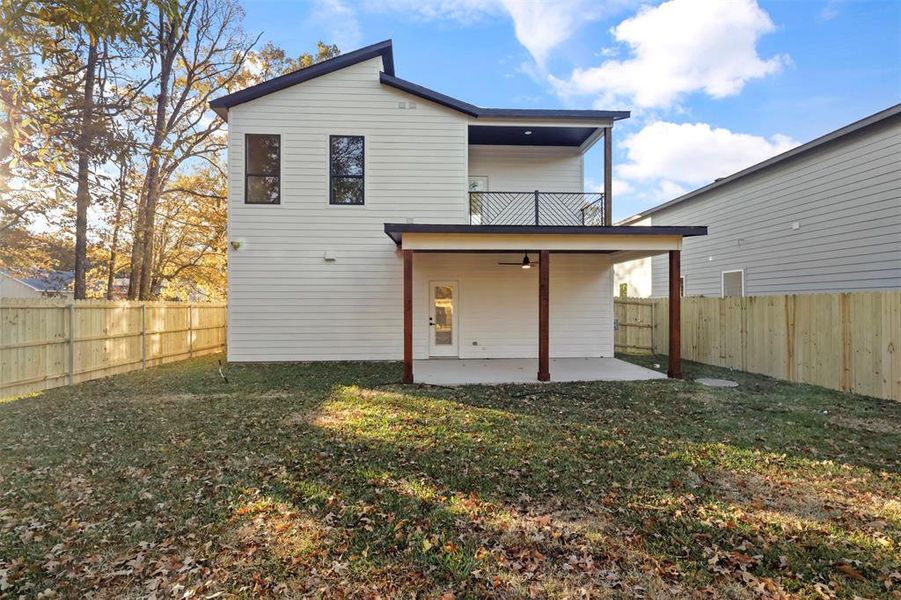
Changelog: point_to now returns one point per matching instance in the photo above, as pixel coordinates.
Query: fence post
(143, 335)
(71, 343)
(536, 207)
(190, 330)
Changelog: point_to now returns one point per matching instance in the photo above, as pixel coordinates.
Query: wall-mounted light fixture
(235, 244)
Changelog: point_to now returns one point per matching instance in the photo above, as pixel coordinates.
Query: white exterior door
(444, 332)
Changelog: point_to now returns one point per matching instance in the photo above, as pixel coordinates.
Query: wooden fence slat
(47, 343)
(849, 341)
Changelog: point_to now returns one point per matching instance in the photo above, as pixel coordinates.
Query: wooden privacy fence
(849, 341)
(47, 343)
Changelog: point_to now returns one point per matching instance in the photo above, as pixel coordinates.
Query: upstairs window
(262, 168)
(346, 169)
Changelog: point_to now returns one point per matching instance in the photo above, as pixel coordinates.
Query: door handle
(431, 322)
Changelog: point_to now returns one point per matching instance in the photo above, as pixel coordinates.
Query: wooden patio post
(544, 260)
(608, 175)
(408, 316)
(675, 316)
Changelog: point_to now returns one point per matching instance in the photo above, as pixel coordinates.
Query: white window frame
(723, 282)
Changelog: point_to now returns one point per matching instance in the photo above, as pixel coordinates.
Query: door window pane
(444, 315)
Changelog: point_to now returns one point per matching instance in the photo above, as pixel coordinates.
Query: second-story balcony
(537, 208)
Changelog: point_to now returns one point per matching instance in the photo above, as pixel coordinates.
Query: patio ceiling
(525, 135)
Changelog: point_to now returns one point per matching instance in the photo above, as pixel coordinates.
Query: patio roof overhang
(623, 242)
(620, 242)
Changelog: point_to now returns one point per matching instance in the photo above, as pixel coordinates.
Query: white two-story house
(371, 218)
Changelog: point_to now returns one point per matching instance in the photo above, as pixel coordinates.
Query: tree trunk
(82, 194)
(114, 243)
(142, 252)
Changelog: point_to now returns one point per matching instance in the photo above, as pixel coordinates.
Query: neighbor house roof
(44, 281)
(384, 49)
(776, 160)
(50, 281)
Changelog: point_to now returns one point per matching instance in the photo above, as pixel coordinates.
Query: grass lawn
(332, 480)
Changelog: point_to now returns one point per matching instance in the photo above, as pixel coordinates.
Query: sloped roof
(50, 281)
(771, 162)
(387, 77)
(383, 49)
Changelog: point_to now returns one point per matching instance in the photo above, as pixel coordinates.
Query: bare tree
(198, 53)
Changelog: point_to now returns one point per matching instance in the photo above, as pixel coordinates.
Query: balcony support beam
(608, 176)
(408, 316)
(675, 316)
(544, 284)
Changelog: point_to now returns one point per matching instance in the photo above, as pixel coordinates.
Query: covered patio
(530, 364)
(491, 371)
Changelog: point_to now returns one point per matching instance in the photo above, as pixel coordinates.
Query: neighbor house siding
(286, 302)
(527, 168)
(498, 304)
(845, 198)
(13, 288)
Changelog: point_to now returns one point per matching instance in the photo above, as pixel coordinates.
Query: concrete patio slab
(454, 371)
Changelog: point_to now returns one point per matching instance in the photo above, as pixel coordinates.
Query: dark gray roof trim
(396, 230)
(383, 49)
(779, 158)
(513, 113)
(436, 97)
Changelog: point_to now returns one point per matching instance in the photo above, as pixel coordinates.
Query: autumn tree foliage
(111, 162)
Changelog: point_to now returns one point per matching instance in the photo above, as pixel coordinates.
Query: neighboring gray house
(823, 217)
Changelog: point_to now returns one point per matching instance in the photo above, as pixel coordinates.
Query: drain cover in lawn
(716, 382)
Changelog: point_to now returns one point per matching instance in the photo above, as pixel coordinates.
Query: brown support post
(544, 265)
(608, 175)
(408, 316)
(675, 316)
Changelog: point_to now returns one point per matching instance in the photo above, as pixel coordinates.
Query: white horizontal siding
(845, 198)
(527, 168)
(285, 301)
(13, 288)
(498, 304)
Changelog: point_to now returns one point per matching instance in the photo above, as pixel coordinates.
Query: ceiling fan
(525, 263)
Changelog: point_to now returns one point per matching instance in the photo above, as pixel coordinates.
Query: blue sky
(713, 86)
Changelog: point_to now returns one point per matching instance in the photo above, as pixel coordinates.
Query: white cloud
(460, 11)
(540, 25)
(680, 47)
(543, 25)
(693, 153)
(338, 23)
(665, 160)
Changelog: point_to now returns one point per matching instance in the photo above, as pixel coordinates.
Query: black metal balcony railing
(536, 208)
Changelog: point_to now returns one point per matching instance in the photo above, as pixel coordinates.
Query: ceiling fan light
(526, 263)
